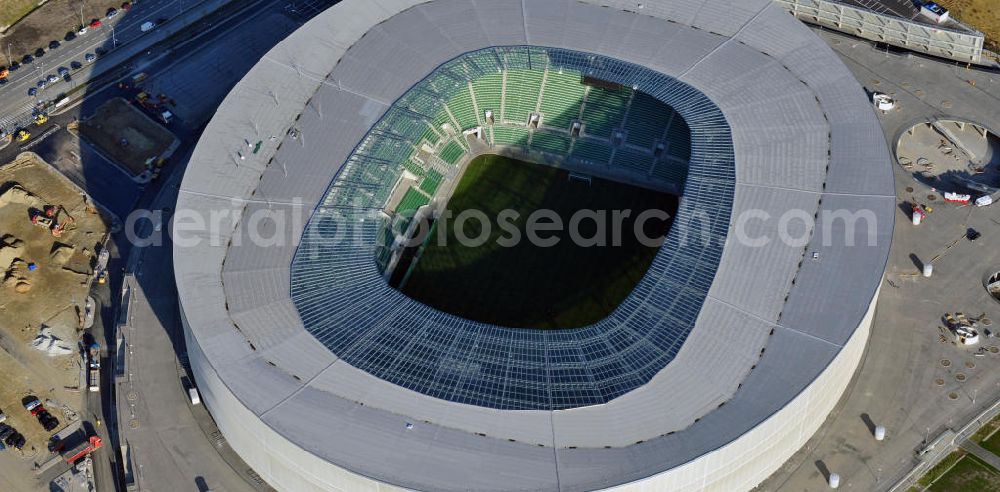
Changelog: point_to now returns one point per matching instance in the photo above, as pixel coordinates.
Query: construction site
(129, 137)
(52, 238)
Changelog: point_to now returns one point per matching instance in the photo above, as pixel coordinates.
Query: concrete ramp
(946, 132)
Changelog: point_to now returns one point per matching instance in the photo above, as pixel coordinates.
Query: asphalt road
(174, 445)
(122, 36)
(185, 442)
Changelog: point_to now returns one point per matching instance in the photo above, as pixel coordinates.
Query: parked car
(14, 66)
(30, 403)
(41, 84)
(40, 52)
(83, 30)
(3, 81)
(111, 13)
(49, 423)
(67, 78)
(32, 91)
(63, 71)
(89, 57)
(53, 44)
(6, 431)
(52, 79)
(96, 23)
(15, 440)
(127, 6)
(69, 36)
(27, 59)
(75, 65)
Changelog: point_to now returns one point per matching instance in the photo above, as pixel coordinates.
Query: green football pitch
(527, 285)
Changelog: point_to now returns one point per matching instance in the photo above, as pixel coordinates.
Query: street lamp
(83, 3)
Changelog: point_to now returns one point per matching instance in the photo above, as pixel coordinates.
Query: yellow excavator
(23, 135)
(41, 118)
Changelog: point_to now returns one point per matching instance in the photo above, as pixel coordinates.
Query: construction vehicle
(4, 72)
(101, 269)
(94, 355)
(23, 135)
(49, 219)
(41, 119)
(94, 379)
(93, 443)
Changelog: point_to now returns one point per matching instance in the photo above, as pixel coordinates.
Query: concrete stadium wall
(933, 40)
(284, 465)
(740, 465)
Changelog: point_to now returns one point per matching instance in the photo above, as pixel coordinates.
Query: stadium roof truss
(772, 335)
(335, 281)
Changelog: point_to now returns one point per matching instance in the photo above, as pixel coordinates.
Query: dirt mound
(16, 195)
(61, 253)
(11, 249)
(16, 276)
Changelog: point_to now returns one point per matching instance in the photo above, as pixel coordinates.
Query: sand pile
(16, 195)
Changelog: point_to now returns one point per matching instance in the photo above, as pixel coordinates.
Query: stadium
(720, 361)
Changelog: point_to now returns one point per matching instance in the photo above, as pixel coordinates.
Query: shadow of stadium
(115, 189)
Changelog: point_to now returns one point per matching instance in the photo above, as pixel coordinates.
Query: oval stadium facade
(720, 363)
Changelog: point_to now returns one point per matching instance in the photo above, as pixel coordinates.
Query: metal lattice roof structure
(776, 337)
(336, 283)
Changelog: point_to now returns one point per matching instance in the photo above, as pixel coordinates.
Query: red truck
(83, 449)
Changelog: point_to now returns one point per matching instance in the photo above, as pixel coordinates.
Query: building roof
(803, 138)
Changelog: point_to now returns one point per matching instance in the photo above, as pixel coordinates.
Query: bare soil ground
(126, 135)
(51, 295)
(983, 15)
(49, 22)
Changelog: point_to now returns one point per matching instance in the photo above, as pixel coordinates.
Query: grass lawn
(986, 431)
(968, 474)
(525, 285)
(992, 443)
(12, 11)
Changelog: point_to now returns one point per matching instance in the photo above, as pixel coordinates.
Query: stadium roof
(336, 283)
(803, 137)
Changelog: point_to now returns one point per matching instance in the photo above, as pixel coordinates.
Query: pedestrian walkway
(981, 453)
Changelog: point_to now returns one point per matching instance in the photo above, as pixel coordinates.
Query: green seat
(504, 135)
(488, 89)
(431, 182)
(592, 152)
(632, 160)
(561, 99)
(521, 94)
(550, 142)
(604, 111)
(412, 200)
(452, 152)
(647, 120)
(461, 106)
